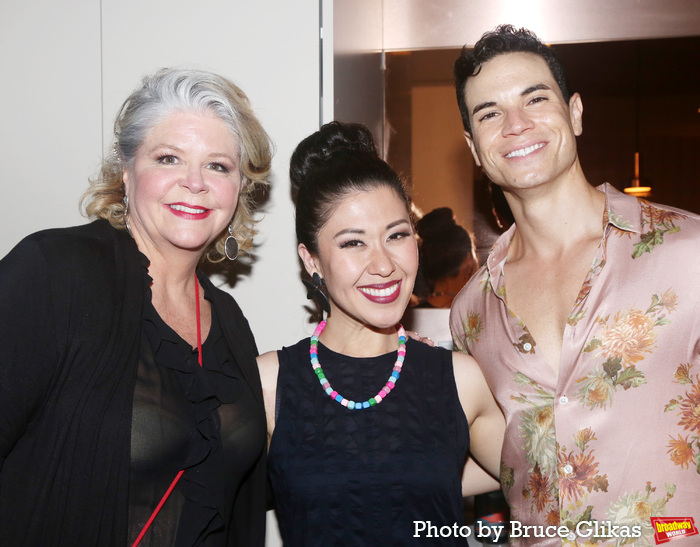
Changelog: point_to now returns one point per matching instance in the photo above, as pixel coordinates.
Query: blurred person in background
(447, 259)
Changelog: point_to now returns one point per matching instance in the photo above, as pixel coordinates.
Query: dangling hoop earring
(231, 245)
(126, 213)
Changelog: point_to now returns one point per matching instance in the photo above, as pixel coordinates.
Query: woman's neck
(358, 340)
(174, 296)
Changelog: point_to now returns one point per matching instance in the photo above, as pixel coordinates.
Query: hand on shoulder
(418, 338)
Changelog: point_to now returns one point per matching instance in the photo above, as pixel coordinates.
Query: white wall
(50, 112)
(67, 66)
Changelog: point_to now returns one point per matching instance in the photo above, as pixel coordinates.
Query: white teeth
(524, 151)
(186, 209)
(380, 292)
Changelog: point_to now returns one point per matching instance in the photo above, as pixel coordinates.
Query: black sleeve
(28, 354)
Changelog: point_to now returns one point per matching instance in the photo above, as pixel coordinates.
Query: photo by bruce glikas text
(584, 529)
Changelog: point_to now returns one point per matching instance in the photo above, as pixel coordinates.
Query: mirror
(640, 95)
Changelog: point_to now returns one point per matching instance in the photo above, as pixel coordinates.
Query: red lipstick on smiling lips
(187, 211)
(381, 293)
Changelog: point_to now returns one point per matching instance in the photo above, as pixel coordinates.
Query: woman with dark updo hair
(368, 432)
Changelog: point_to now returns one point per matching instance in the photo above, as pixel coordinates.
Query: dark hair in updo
(327, 166)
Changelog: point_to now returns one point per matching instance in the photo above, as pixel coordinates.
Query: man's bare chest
(544, 298)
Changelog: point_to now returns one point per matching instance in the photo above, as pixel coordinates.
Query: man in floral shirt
(585, 318)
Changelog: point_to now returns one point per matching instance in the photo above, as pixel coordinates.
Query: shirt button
(527, 346)
(571, 537)
(568, 469)
(563, 399)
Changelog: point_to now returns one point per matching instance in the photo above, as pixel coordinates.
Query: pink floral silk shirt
(615, 439)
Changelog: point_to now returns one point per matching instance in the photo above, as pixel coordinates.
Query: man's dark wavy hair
(503, 39)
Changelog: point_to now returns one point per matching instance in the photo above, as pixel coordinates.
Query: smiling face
(184, 183)
(523, 132)
(368, 257)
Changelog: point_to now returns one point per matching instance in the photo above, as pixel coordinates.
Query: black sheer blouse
(201, 419)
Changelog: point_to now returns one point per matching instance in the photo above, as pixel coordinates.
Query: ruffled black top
(203, 419)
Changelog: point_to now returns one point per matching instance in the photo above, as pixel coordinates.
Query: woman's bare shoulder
(268, 365)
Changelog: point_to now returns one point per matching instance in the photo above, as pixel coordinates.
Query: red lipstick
(381, 293)
(188, 211)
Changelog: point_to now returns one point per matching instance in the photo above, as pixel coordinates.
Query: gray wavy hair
(173, 90)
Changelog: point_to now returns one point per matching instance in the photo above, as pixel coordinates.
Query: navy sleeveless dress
(368, 477)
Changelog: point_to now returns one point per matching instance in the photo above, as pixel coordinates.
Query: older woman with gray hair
(130, 403)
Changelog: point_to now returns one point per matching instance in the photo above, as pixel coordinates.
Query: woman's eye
(167, 159)
(218, 167)
(351, 243)
(399, 235)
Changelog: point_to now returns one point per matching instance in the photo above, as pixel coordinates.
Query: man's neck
(549, 221)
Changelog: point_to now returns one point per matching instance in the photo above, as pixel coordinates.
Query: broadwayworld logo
(669, 528)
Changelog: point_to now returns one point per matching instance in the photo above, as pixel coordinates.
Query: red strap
(158, 508)
(177, 477)
(199, 327)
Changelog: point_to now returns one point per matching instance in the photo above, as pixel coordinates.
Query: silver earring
(126, 213)
(231, 245)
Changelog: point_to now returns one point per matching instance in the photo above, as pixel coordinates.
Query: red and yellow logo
(669, 528)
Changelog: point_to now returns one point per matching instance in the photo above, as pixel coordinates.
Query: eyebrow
(482, 106)
(536, 87)
(349, 231)
(396, 223)
(361, 231)
(164, 145)
(527, 91)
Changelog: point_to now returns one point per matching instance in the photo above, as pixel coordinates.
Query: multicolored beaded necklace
(352, 405)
